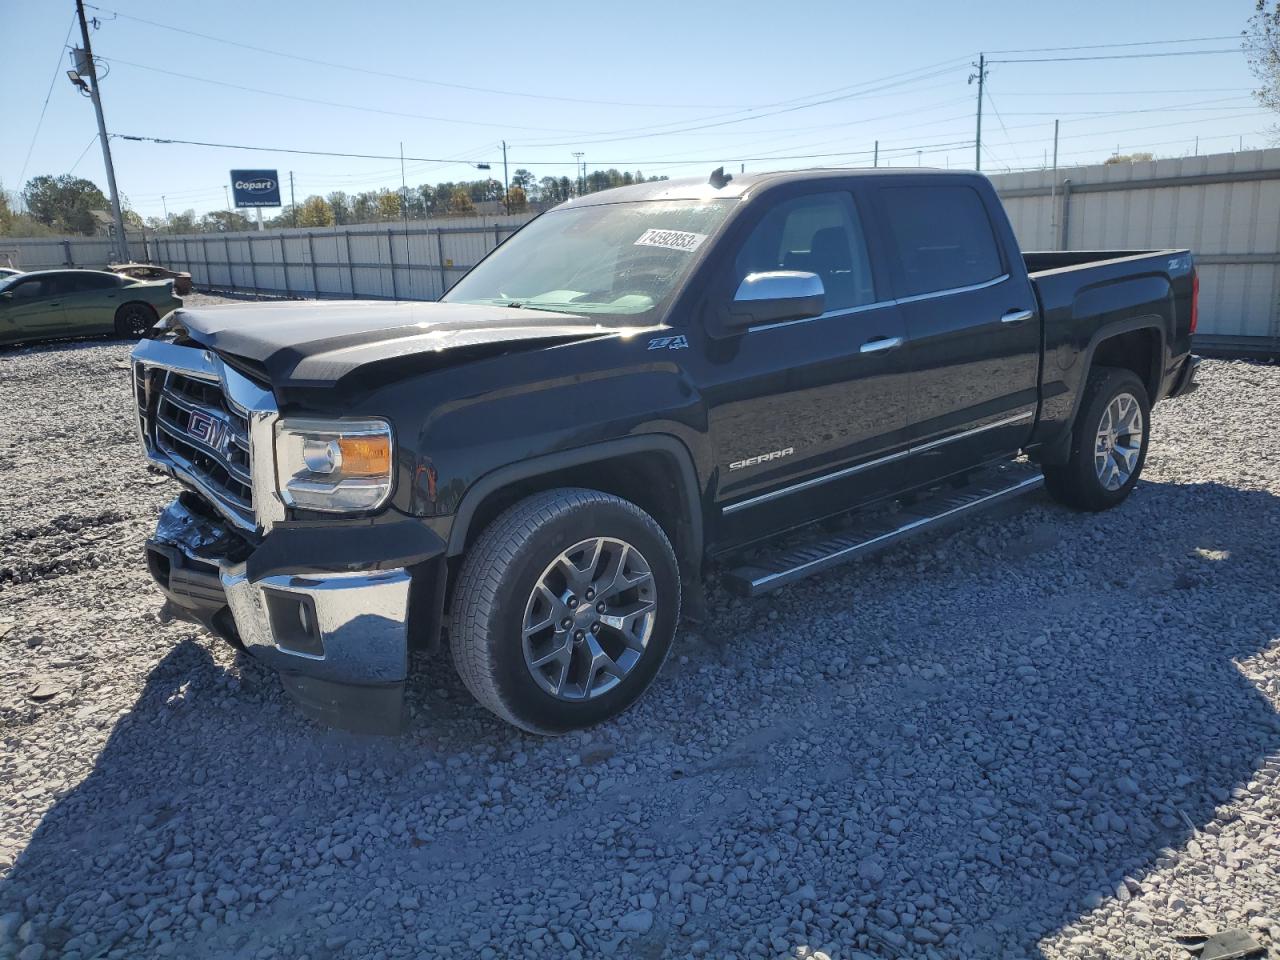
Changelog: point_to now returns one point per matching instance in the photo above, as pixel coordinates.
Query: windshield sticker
(671, 239)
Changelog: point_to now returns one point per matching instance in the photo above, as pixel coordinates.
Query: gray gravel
(1046, 734)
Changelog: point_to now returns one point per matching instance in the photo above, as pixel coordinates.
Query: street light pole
(577, 163)
(506, 183)
(91, 69)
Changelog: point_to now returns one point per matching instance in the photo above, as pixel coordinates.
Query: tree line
(73, 205)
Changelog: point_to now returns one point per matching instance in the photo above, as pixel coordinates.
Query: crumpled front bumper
(339, 638)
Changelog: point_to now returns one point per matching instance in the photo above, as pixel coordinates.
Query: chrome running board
(882, 530)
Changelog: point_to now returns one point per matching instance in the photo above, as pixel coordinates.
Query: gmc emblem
(210, 432)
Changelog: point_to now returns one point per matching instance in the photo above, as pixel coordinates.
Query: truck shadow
(992, 806)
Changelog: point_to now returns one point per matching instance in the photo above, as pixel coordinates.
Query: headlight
(337, 466)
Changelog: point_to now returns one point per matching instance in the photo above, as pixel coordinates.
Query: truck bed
(1041, 261)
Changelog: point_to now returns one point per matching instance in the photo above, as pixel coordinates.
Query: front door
(807, 417)
(972, 323)
(32, 309)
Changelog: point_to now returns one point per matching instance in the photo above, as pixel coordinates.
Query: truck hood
(317, 343)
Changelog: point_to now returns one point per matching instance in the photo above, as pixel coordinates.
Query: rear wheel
(1108, 443)
(133, 320)
(565, 609)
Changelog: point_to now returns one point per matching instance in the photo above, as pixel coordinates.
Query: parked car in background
(150, 271)
(72, 303)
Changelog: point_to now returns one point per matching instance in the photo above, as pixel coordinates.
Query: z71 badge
(669, 343)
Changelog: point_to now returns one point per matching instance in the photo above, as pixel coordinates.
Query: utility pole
(1053, 190)
(404, 213)
(404, 193)
(506, 184)
(165, 207)
(293, 203)
(981, 77)
(89, 67)
(875, 161)
(580, 177)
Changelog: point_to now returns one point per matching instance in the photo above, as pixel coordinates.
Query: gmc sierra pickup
(537, 468)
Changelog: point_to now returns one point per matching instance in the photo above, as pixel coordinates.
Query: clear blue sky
(689, 84)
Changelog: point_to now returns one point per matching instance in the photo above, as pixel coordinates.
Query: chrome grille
(205, 424)
(195, 424)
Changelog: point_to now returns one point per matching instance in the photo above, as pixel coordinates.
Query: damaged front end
(326, 604)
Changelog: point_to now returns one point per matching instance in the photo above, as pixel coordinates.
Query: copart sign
(255, 188)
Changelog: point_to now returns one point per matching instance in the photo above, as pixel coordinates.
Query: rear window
(943, 237)
(93, 281)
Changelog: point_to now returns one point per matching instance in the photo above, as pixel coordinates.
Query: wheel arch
(653, 471)
(1136, 344)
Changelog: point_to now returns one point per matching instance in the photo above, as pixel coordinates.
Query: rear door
(807, 417)
(33, 309)
(91, 302)
(972, 324)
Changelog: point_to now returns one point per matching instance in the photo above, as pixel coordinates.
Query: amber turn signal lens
(365, 456)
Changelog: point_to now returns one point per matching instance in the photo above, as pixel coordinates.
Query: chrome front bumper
(339, 640)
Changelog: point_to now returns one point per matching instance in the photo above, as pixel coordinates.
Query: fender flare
(1151, 321)
(1057, 448)
(660, 443)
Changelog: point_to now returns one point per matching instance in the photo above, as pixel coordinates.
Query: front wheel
(1108, 443)
(564, 611)
(133, 320)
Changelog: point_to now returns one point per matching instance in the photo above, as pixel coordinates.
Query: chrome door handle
(880, 344)
(1015, 317)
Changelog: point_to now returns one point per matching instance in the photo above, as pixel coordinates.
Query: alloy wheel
(1118, 443)
(589, 618)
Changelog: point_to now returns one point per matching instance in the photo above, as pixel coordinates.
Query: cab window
(33, 289)
(943, 238)
(820, 233)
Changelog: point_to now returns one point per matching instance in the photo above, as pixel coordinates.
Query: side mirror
(775, 296)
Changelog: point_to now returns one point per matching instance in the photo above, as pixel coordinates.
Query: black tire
(133, 320)
(496, 586)
(1077, 483)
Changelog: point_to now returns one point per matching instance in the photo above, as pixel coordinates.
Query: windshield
(620, 259)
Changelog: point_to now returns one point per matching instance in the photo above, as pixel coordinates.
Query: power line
(82, 153)
(1117, 56)
(57, 71)
(402, 77)
(755, 116)
(1106, 46)
(311, 153)
(334, 103)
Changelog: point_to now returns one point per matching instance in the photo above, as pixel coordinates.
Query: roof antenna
(719, 178)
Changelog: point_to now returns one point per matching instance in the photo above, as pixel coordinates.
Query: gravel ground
(1048, 734)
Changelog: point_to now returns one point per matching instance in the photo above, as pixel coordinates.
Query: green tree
(364, 207)
(388, 205)
(461, 201)
(517, 200)
(340, 204)
(1262, 47)
(315, 212)
(223, 221)
(65, 203)
(1139, 157)
(524, 179)
(184, 222)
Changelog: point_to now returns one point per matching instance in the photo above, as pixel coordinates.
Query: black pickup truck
(538, 468)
